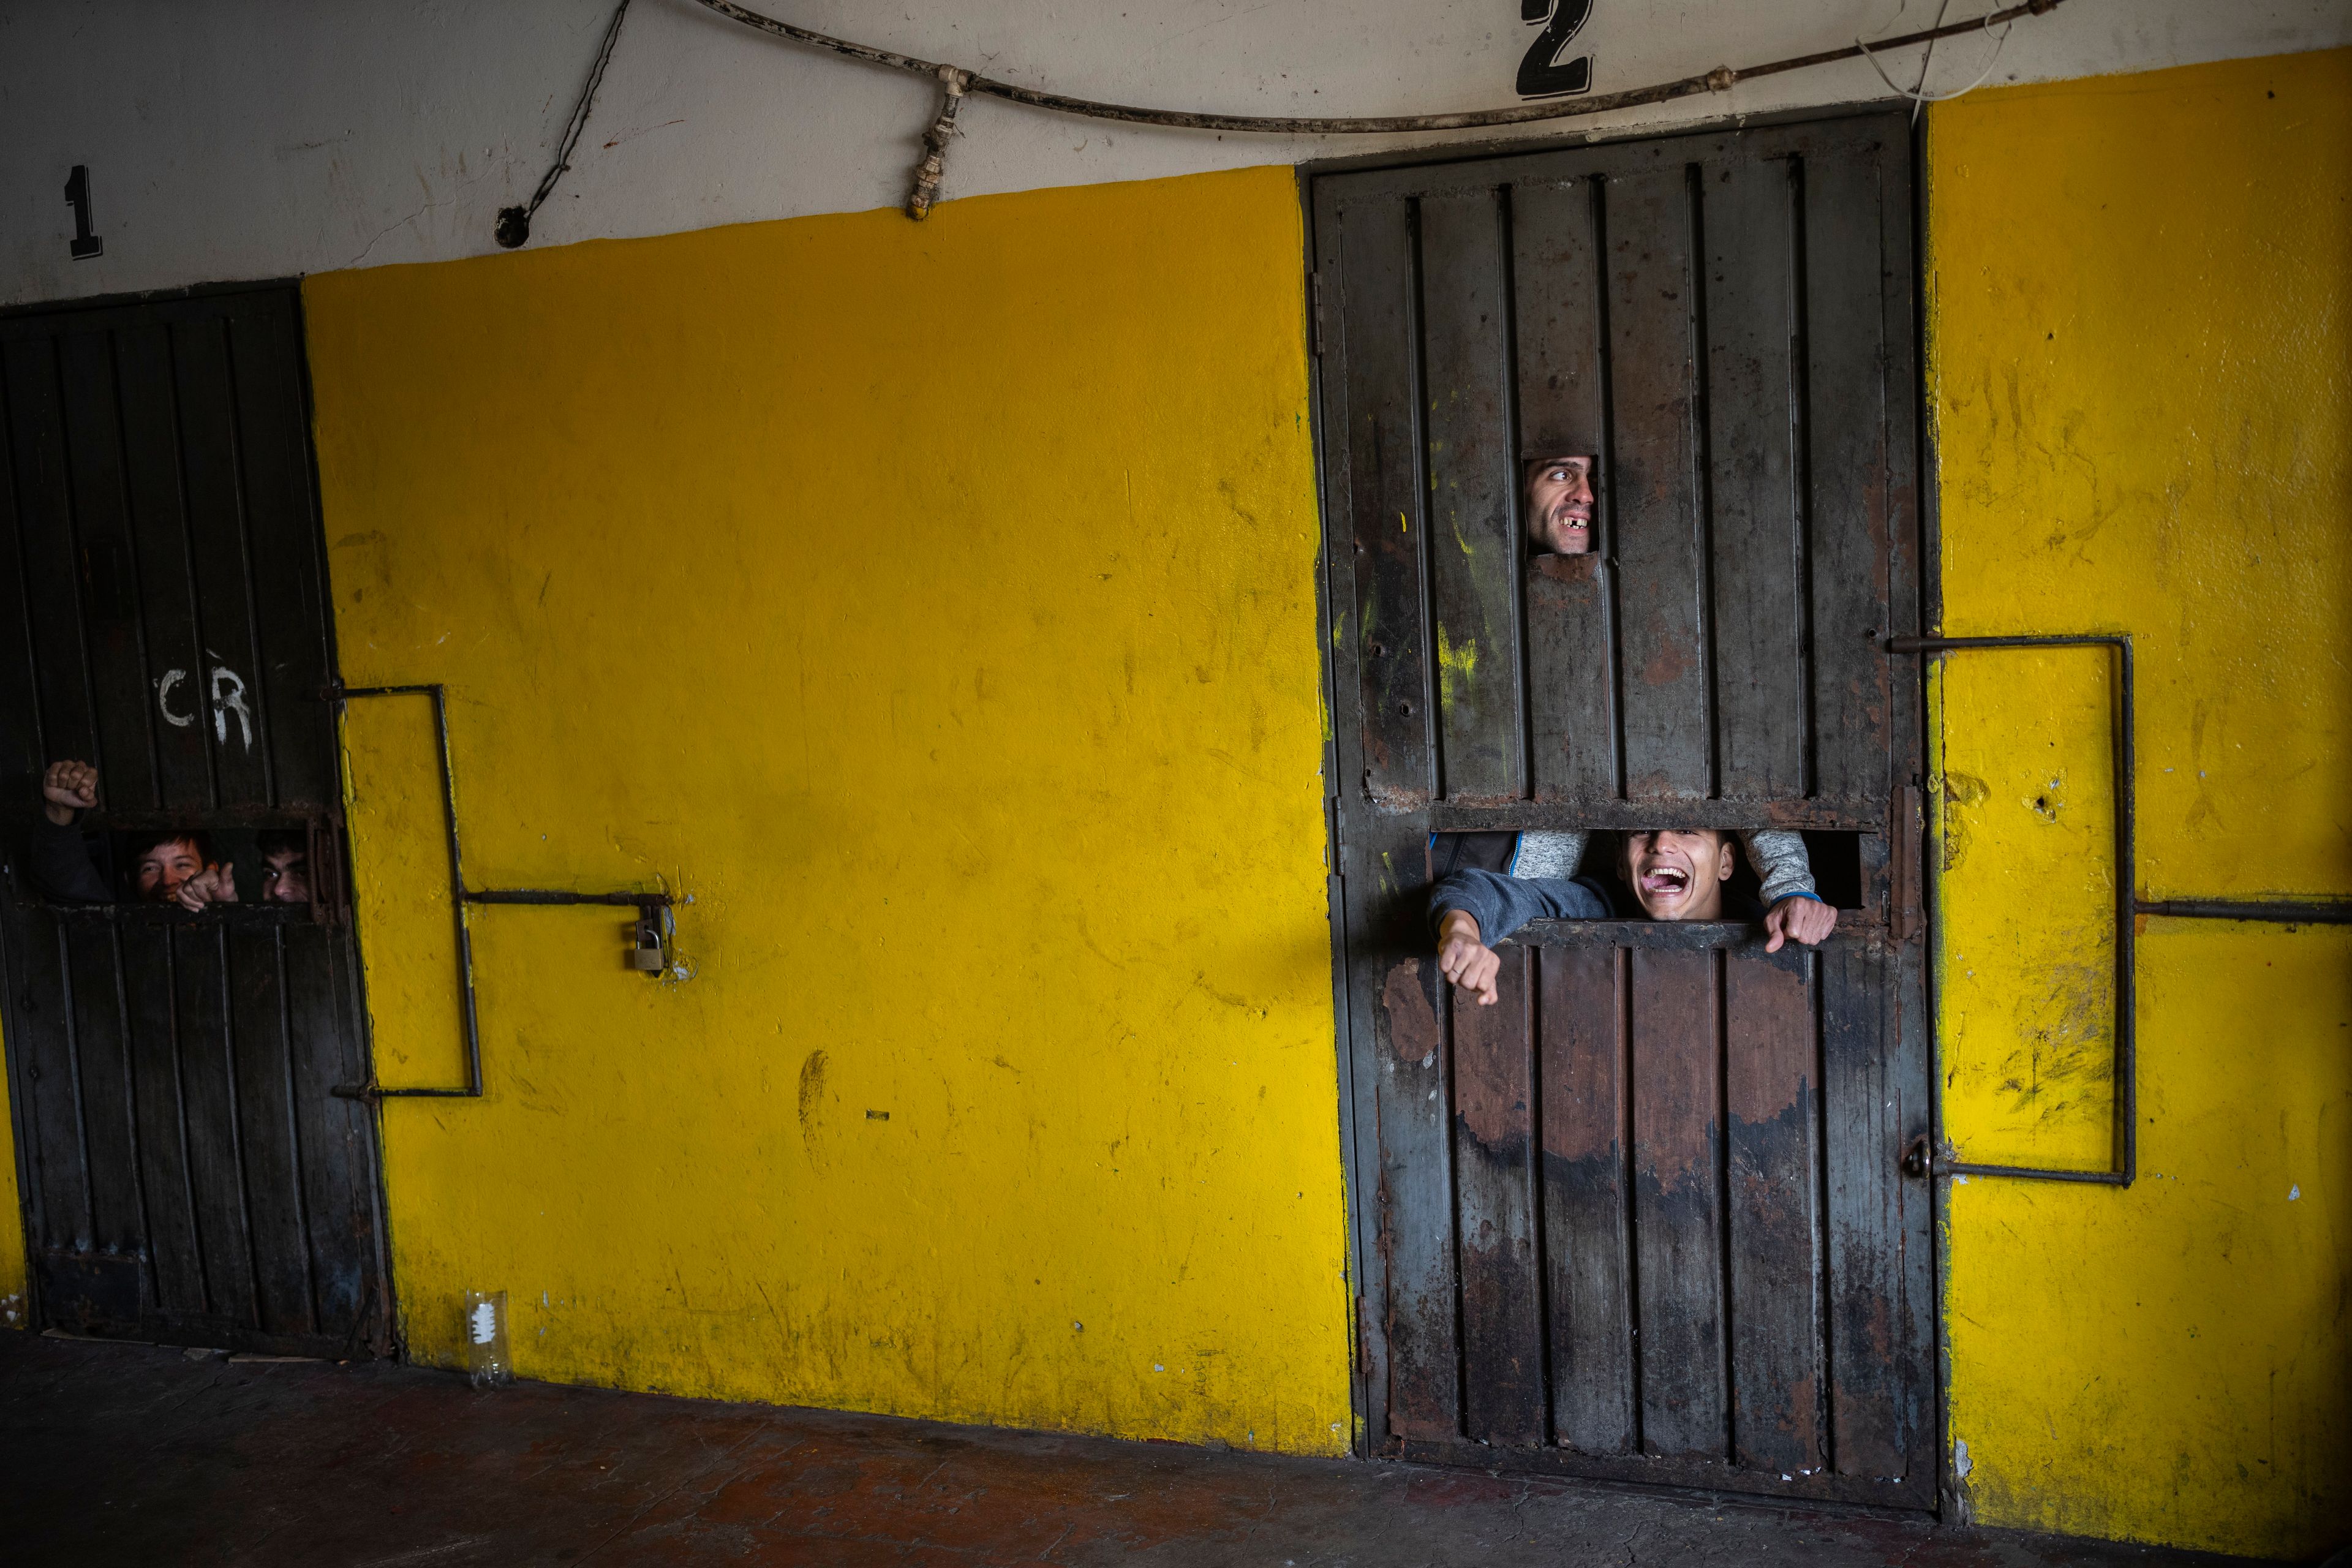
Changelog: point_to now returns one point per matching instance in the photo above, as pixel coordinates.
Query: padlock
(648, 955)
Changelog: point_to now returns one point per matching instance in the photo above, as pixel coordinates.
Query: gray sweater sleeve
(1501, 905)
(1781, 863)
(1544, 852)
(58, 861)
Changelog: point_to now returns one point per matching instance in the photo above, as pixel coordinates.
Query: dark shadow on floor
(121, 1454)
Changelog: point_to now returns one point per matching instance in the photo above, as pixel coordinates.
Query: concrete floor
(120, 1454)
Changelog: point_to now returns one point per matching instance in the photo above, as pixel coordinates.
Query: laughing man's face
(1678, 876)
(1560, 505)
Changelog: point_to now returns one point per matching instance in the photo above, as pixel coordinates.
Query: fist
(69, 787)
(212, 885)
(1808, 921)
(1466, 960)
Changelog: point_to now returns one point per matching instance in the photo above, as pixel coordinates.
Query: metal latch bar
(650, 906)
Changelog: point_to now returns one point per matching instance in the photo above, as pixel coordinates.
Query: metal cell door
(188, 1175)
(1648, 1217)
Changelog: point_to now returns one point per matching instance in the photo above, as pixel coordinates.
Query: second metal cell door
(1648, 1217)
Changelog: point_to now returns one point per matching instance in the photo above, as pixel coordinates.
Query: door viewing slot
(1646, 1217)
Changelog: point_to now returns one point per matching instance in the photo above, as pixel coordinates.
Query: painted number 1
(1542, 72)
(85, 244)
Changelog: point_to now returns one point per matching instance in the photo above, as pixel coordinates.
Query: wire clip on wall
(651, 936)
(2129, 905)
(514, 223)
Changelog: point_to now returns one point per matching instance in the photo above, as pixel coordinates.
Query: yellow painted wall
(2142, 394)
(933, 607)
(13, 1268)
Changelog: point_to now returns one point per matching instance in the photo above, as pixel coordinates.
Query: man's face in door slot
(164, 864)
(285, 870)
(1560, 505)
(1678, 876)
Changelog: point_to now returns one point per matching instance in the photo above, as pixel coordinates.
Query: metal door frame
(1909, 861)
(388, 1336)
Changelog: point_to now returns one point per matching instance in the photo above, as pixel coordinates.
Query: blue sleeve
(1501, 905)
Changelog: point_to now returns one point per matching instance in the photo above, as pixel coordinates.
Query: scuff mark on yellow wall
(2144, 422)
(935, 607)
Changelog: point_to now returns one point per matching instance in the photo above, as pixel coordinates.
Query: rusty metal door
(1648, 1218)
(187, 1174)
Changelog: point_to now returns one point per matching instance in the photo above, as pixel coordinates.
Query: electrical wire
(1919, 97)
(1719, 79)
(1927, 58)
(514, 223)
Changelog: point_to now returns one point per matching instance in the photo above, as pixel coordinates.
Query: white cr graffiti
(228, 697)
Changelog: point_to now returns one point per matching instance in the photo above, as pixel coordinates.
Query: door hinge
(1315, 310)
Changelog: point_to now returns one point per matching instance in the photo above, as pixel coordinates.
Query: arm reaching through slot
(57, 859)
(1474, 910)
(1794, 911)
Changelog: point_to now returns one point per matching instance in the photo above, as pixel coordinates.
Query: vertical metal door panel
(1502, 1296)
(48, 1087)
(1393, 1090)
(212, 461)
(1585, 1198)
(287, 579)
(1379, 319)
(1678, 1202)
(150, 994)
(20, 740)
(36, 437)
(1905, 1386)
(1770, 1043)
(1659, 530)
(208, 1092)
(1556, 276)
(1416, 1239)
(1850, 499)
(100, 546)
(159, 554)
(261, 1054)
(1417, 1234)
(1379, 324)
(332, 1139)
(1571, 664)
(1874, 1395)
(1752, 422)
(1571, 655)
(103, 1087)
(1472, 542)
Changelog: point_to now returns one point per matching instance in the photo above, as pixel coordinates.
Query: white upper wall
(245, 138)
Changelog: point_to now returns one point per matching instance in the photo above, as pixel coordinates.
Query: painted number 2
(228, 697)
(1542, 72)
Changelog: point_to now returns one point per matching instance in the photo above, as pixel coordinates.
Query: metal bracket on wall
(2128, 904)
(2126, 1165)
(650, 907)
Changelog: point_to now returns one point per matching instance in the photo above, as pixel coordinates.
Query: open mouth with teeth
(1666, 882)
